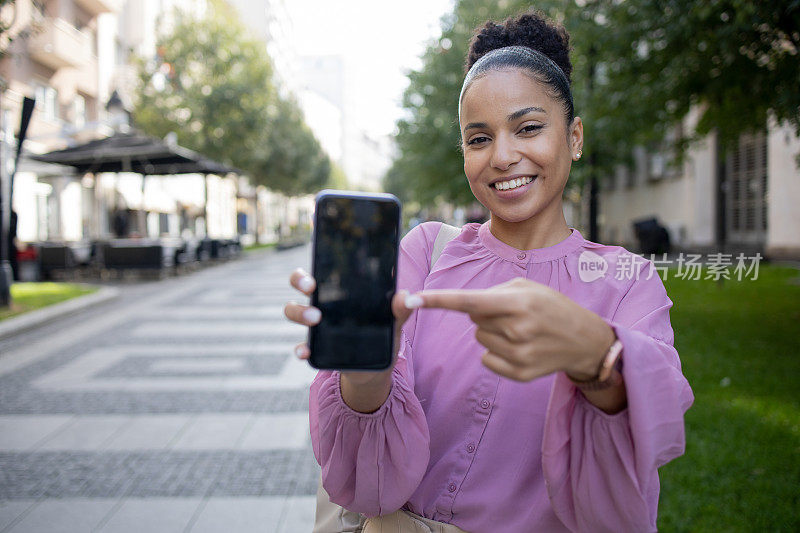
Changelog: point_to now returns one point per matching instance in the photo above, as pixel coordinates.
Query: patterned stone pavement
(176, 408)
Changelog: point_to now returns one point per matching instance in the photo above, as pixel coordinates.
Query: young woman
(536, 386)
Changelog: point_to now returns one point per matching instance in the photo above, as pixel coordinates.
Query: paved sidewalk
(177, 407)
(32, 319)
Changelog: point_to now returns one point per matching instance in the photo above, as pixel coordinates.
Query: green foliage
(296, 162)
(639, 67)
(733, 60)
(338, 177)
(213, 86)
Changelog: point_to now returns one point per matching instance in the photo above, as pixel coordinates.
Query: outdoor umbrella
(134, 152)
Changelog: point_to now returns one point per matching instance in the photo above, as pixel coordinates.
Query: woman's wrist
(600, 339)
(365, 392)
(604, 386)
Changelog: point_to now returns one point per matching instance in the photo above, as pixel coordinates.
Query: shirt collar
(537, 255)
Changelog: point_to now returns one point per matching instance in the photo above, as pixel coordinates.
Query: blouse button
(521, 255)
(470, 447)
(485, 404)
(451, 487)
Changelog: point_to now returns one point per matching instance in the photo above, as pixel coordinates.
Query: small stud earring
(578, 155)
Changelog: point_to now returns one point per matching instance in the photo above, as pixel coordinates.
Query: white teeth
(512, 184)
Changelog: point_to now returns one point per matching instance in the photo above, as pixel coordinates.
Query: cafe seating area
(125, 257)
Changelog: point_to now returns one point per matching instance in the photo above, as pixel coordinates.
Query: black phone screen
(355, 252)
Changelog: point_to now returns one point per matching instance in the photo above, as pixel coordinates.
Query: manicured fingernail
(306, 283)
(312, 315)
(300, 351)
(413, 301)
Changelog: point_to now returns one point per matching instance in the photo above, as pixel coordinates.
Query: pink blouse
(455, 442)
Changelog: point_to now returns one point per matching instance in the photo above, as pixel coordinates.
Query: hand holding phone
(354, 257)
(307, 315)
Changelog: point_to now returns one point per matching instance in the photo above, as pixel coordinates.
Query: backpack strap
(446, 234)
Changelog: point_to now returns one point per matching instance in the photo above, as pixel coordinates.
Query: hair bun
(532, 29)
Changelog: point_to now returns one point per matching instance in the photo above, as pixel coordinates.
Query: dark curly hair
(531, 42)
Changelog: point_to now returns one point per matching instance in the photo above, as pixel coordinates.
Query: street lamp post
(120, 120)
(5, 225)
(6, 196)
(5, 217)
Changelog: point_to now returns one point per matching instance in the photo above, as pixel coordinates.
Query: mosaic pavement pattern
(177, 407)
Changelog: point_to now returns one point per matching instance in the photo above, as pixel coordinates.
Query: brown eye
(531, 128)
(478, 140)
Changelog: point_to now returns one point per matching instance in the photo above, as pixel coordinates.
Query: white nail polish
(306, 283)
(413, 301)
(299, 351)
(312, 315)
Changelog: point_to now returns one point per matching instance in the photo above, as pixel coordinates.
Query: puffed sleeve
(372, 463)
(601, 470)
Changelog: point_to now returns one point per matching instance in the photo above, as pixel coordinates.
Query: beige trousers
(407, 522)
(332, 518)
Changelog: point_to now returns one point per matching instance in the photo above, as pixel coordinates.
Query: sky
(380, 40)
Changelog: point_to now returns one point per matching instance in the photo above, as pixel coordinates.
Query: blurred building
(364, 158)
(56, 56)
(321, 81)
(269, 22)
(267, 213)
(76, 57)
(371, 161)
(742, 200)
(325, 120)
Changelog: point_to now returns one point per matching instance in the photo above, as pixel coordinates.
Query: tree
(639, 66)
(735, 61)
(296, 162)
(214, 88)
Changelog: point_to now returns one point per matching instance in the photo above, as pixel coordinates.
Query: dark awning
(134, 152)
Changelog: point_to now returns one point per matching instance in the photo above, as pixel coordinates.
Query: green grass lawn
(29, 296)
(740, 347)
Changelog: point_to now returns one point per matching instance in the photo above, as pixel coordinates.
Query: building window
(662, 161)
(638, 172)
(746, 186)
(93, 42)
(8, 127)
(121, 53)
(79, 111)
(47, 99)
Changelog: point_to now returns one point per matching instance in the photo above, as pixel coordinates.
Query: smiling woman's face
(517, 147)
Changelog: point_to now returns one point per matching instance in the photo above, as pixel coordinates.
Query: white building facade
(331, 107)
(72, 55)
(742, 199)
(55, 57)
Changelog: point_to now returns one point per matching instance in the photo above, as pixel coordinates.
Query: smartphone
(354, 262)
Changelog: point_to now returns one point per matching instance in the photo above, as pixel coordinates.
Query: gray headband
(520, 57)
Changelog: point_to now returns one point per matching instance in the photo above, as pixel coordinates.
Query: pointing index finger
(471, 301)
